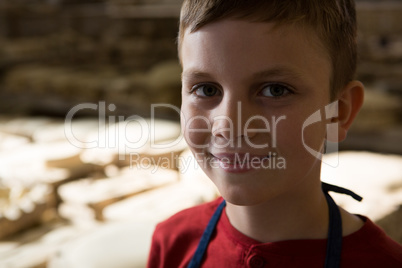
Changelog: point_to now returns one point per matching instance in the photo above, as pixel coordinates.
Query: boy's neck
(295, 215)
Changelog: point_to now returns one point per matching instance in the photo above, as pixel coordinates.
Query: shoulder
(174, 240)
(191, 220)
(371, 245)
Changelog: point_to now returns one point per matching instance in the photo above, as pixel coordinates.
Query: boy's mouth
(233, 158)
(238, 162)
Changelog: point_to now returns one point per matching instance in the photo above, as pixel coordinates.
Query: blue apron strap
(334, 242)
(206, 236)
(333, 188)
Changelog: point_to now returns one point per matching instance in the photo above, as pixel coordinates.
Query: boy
(256, 76)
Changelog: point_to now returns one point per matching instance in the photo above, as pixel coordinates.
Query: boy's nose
(230, 121)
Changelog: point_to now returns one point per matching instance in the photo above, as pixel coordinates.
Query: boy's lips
(238, 162)
(236, 157)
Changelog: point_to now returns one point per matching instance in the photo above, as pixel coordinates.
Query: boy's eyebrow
(278, 71)
(195, 74)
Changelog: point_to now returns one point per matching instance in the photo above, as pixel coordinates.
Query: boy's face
(248, 88)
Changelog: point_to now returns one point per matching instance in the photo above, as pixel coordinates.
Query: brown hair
(334, 22)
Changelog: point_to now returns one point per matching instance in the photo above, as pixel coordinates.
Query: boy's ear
(350, 100)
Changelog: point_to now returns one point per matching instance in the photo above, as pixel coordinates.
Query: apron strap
(206, 236)
(334, 241)
(336, 189)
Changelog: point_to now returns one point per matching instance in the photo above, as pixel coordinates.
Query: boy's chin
(247, 196)
(245, 200)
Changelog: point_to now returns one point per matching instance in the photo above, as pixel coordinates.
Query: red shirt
(176, 239)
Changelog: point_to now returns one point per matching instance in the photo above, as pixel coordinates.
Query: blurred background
(70, 196)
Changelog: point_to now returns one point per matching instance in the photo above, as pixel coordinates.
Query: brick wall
(57, 53)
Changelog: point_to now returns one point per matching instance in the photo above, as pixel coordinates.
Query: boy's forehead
(234, 26)
(268, 48)
(238, 24)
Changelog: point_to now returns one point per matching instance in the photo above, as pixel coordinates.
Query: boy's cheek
(313, 136)
(293, 136)
(196, 131)
(196, 141)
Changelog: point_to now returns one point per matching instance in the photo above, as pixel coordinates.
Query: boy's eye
(275, 90)
(206, 90)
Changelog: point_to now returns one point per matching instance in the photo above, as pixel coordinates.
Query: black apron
(334, 242)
